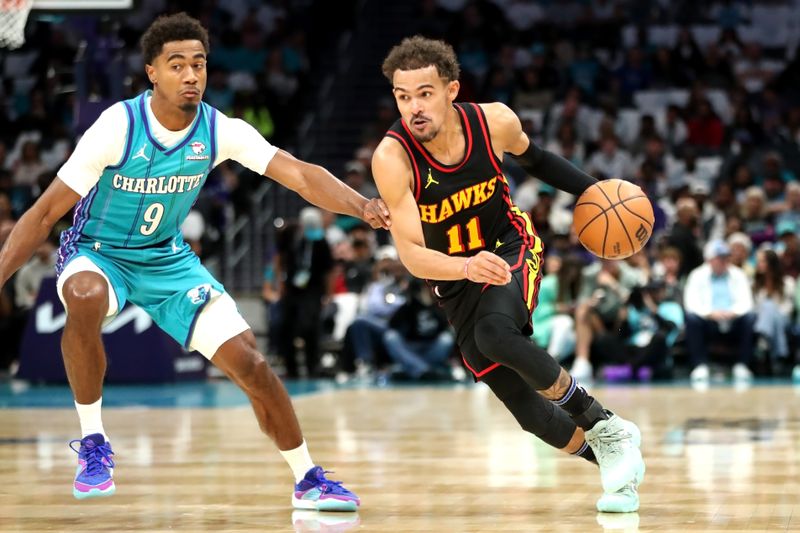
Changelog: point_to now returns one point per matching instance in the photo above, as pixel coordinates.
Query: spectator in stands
(716, 72)
(791, 209)
(29, 278)
(718, 301)
(742, 180)
(28, 167)
(605, 287)
(752, 70)
(686, 234)
(755, 216)
(687, 54)
(729, 44)
(418, 339)
(773, 293)
(303, 271)
(363, 348)
(744, 126)
(651, 324)
(705, 127)
(667, 271)
(773, 167)
(672, 128)
(634, 75)
(611, 161)
(554, 325)
(789, 246)
(741, 247)
(355, 175)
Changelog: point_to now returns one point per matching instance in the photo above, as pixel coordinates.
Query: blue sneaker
(316, 492)
(95, 467)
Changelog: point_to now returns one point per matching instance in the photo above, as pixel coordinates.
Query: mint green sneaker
(617, 454)
(625, 500)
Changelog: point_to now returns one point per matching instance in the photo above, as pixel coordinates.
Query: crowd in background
(695, 102)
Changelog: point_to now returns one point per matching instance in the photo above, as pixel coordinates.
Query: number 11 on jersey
(474, 237)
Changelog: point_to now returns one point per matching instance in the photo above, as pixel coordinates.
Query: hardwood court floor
(422, 460)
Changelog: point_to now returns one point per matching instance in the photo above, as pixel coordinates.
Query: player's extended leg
(86, 297)
(500, 320)
(537, 415)
(241, 361)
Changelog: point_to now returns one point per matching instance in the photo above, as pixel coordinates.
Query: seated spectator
(685, 235)
(672, 128)
(611, 161)
(29, 278)
(718, 302)
(773, 293)
(756, 221)
(419, 339)
(667, 272)
(788, 247)
(741, 248)
(553, 323)
(705, 128)
(791, 210)
(605, 288)
(363, 341)
(650, 327)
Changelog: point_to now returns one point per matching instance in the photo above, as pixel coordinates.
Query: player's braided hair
(169, 28)
(419, 52)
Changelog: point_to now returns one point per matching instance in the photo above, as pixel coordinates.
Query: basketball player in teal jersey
(134, 176)
(438, 169)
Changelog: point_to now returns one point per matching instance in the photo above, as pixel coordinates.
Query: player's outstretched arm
(34, 227)
(392, 173)
(507, 136)
(322, 189)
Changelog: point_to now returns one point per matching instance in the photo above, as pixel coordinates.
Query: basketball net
(13, 15)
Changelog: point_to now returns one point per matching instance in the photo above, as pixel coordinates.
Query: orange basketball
(613, 219)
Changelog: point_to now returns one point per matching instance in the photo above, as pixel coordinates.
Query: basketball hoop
(13, 15)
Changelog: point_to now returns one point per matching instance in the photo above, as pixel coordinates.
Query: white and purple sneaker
(318, 493)
(95, 467)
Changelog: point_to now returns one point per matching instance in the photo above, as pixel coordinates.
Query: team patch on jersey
(197, 149)
(458, 201)
(199, 294)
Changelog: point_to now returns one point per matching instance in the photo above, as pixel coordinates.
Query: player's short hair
(419, 52)
(169, 28)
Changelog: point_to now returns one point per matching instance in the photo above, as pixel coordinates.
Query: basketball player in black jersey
(439, 171)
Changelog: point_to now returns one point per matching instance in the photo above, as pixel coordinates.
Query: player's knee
(86, 292)
(490, 333)
(253, 370)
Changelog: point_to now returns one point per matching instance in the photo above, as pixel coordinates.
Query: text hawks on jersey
(458, 201)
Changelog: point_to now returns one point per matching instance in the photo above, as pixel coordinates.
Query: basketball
(613, 219)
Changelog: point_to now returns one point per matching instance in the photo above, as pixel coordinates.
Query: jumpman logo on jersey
(431, 181)
(141, 153)
(498, 244)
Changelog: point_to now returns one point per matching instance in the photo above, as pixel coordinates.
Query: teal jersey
(143, 200)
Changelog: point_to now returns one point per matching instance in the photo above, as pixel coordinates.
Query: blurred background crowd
(697, 102)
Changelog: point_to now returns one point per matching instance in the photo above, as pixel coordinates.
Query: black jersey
(466, 207)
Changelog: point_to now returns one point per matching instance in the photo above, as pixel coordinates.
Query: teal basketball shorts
(168, 282)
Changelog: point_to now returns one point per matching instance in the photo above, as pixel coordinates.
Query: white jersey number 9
(153, 218)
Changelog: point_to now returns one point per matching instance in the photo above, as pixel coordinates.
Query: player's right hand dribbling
(486, 267)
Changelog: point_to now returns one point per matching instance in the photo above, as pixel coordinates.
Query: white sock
(299, 461)
(91, 421)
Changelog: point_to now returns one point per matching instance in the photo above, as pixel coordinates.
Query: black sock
(585, 410)
(587, 453)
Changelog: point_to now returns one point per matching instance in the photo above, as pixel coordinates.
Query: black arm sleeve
(553, 170)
